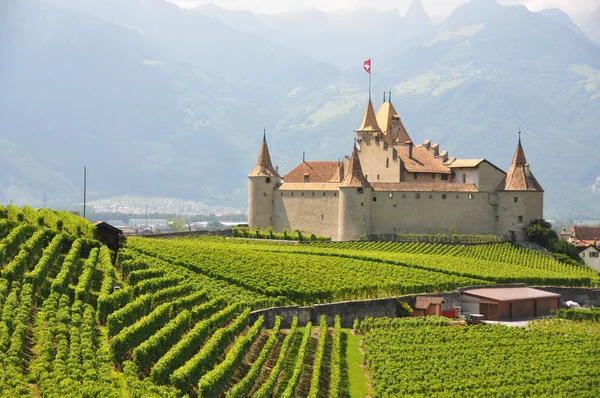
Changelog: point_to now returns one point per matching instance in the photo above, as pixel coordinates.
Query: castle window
(444, 196)
(414, 176)
(313, 194)
(282, 194)
(374, 198)
(362, 204)
(433, 176)
(270, 218)
(359, 190)
(520, 219)
(387, 163)
(417, 195)
(324, 194)
(334, 194)
(444, 177)
(497, 218)
(377, 176)
(464, 178)
(366, 176)
(394, 205)
(457, 196)
(470, 196)
(403, 196)
(292, 194)
(322, 216)
(516, 199)
(390, 195)
(268, 179)
(430, 196)
(302, 193)
(264, 194)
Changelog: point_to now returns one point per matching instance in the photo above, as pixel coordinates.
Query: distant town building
(388, 186)
(586, 239)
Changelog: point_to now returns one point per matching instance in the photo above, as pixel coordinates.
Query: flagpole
(370, 69)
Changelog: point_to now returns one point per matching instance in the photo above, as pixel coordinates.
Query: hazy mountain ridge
(161, 101)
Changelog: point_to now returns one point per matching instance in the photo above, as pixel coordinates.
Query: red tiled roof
(509, 293)
(585, 232)
(423, 187)
(315, 171)
(517, 178)
(422, 161)
(355, 176)
(423, 302)
(264, 167)
(309, 186)
(369, 121)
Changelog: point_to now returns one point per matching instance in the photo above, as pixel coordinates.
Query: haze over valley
(158, 100)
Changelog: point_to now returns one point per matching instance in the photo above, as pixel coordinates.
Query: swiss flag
(367, 66)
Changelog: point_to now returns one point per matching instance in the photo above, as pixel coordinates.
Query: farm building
(427, 306)
(505, 304)
(108, 235)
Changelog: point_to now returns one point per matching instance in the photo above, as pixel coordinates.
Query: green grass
(357, 380)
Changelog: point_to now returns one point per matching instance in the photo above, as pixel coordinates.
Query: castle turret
(368, 127)
(520, 198)
(263, 180)
(354, 211)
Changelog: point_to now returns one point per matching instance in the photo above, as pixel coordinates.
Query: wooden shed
(509, 303)
(108, 235)
(427, 306)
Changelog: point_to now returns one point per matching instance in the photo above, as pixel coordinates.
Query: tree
(176, 224)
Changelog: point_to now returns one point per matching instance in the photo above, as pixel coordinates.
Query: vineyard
(169, 329)
(412, 357)
(168, 318)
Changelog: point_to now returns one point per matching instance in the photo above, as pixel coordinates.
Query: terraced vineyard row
(293, 275)
(412, 357)
(168, 330)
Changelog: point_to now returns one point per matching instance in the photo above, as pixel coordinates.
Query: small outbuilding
(108, 235)
(509, 303)
(428, 305)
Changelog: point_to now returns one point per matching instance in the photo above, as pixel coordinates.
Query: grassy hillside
(179, 321)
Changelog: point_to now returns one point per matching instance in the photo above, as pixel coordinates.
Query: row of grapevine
(266, 388)
(316, 376)
(242, 388)
(293, 275)
(299, 364)
(416, 357)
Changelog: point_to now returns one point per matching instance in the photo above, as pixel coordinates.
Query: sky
(437, 9)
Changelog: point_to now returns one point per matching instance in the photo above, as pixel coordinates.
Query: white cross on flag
(367, 66)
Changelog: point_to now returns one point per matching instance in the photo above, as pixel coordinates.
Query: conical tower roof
(264, 167)
(369, 122)
(519, 176)
(384, 117)
(355, 176)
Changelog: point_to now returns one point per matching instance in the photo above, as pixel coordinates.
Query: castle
(389, 186)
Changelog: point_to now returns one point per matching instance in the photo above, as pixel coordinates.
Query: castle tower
(354, 211)
(263, 180)
(520, 198)
(368, 127)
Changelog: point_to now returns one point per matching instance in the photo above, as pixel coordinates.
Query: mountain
(485, 81)
(416, 16)
(561, 17)
(592, 26)
(160, 101)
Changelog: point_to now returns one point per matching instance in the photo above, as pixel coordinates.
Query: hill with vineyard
(173, 317)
